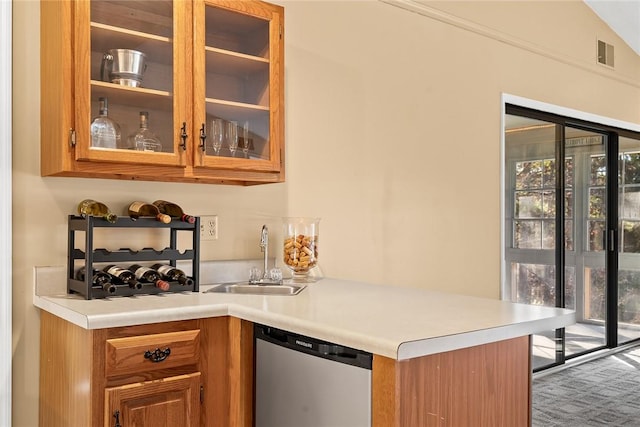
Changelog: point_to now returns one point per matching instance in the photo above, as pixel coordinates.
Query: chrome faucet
(268, 277)
(264, 247)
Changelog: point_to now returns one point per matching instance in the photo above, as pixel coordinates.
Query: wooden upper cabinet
(198, 71)
(238, 72)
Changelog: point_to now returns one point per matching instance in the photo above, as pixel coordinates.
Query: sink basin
(248, 288)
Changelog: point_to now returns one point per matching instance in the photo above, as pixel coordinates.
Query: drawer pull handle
(157, 355)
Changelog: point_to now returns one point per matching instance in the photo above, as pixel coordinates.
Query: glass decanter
(144, 139)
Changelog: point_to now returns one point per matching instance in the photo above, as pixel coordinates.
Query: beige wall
(393, 138)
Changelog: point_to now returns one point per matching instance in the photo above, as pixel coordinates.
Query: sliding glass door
(563, 242)
(628, 283)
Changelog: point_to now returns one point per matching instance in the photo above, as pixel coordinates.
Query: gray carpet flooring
(601, 392)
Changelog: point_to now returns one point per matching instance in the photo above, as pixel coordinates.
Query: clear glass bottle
(144, 139)
(105, 133)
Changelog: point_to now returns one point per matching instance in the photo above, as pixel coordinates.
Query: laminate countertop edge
(388, 320)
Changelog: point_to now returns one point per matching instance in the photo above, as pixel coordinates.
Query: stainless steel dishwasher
(305, 382)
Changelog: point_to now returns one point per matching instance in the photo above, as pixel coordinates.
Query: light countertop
(396, 322)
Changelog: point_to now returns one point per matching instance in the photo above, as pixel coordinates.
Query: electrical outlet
(209, 227)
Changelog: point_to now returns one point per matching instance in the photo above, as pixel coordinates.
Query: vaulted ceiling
(623, 16)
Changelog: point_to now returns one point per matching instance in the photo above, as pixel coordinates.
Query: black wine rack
(124, 256)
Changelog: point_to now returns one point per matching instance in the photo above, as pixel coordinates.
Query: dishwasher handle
(314, 347)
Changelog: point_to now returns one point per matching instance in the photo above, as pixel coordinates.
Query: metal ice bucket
(123, 66)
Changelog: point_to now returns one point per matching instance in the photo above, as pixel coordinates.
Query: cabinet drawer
(151, 352)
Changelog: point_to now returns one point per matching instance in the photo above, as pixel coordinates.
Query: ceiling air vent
(605, 53)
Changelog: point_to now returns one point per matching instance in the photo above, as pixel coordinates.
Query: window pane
(568, 204)
(631, 168)
(596, 235)
(549, 173)
(535, 284)
(568, 235)
(598, 175)
(597, 203)
(528, 204)
(528, 175)
(568, 172)
(631, 203)
(631, 236)
(629, 296)
(595, 304)
(548, 234)
(527, 234)
(549, 204)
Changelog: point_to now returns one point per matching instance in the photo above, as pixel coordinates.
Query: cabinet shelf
(150, 17)
(133, 96)
(236, 107)
(105, 37)
(224, 61)
(126, 254)
(237, 32)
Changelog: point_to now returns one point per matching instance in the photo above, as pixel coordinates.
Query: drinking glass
(301, 246)
(217, 134)
(245, 139)
(232, 137)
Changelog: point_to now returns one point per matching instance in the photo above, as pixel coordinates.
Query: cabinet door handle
(116, 415)
(183, 136)
(157, 355)
(203, 138)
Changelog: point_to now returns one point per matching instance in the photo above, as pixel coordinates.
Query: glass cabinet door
(135, 109)
(237, 59)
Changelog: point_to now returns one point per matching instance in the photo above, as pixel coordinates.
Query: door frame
(6, 282)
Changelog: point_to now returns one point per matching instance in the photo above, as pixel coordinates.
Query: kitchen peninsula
(439, 359)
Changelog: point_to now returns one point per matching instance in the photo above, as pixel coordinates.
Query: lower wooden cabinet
(184, 373)
(173, 401)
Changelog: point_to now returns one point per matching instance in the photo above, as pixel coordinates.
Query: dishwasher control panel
(313, 346)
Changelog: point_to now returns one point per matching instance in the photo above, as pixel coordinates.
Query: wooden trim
(241, 372)
(56, 86)
(65, 362)
(384, 393)
(227, 365)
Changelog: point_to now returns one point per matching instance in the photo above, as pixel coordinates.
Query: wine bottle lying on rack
(123, 276)
(174, 211)
(142, 209)
(148, 275)
(89, 207)
(173, 274)
(100, 280)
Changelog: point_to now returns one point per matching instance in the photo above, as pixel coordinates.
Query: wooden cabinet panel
(486, 385)
(168, 402)
(137, 353)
